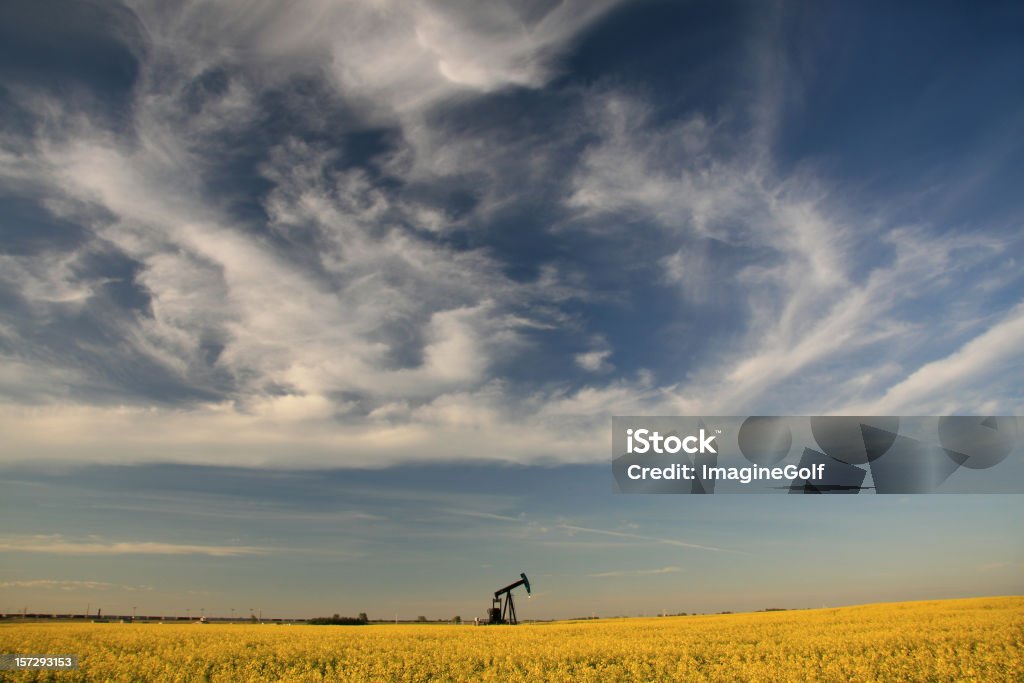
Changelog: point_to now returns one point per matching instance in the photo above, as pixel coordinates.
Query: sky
(327, 307)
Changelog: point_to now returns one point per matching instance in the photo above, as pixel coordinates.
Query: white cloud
(939, 387)
(470, 425)
(640, 537)
(279, 325)
(60, 545)
(809, 306)
(635, 572)
(67, 585)
(595, 361)
(993, 566)
(385, 323)
(366, 339)
(396, 58)
(47, 279)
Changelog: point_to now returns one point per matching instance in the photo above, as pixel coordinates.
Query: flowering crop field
(952, 640)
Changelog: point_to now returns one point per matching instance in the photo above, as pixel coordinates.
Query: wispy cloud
(488, 515)
(358, 308)
(68, 585)
(650, 539)
(635, 572)
(595, 361)
(811, 310)
(342, 309)
(974, 368)
(199, 506)
(392, 57)
(60, 545)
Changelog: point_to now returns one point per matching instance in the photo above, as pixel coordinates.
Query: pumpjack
(503, 609)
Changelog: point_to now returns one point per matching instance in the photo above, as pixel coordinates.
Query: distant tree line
(337, 620)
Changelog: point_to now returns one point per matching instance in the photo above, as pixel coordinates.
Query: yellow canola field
(952, 640)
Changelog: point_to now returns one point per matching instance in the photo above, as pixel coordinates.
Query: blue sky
(337, 301)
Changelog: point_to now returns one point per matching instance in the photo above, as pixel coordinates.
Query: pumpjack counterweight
(503, 607)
